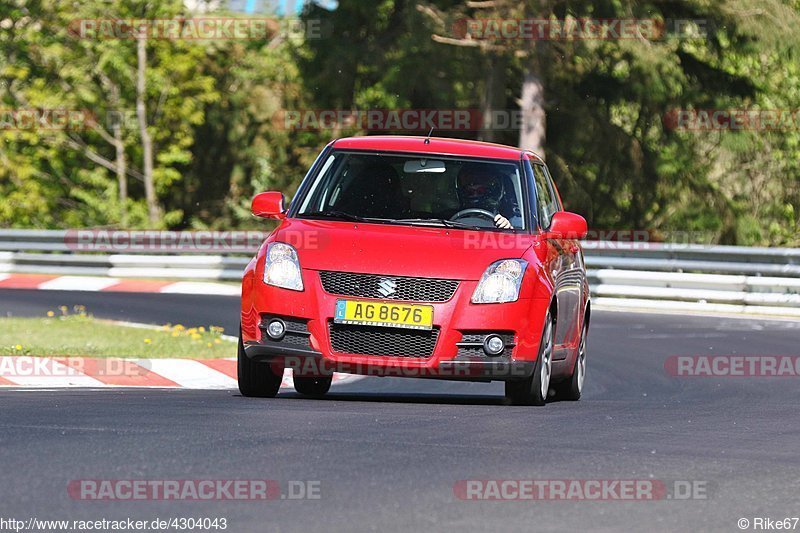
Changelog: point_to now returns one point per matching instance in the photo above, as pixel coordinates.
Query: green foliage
(215, 109)
(607, 102)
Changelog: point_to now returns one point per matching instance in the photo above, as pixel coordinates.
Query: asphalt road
(387, 452)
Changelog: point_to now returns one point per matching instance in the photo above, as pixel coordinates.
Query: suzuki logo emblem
(387, 287)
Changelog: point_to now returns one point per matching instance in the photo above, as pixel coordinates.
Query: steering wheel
(473, 211)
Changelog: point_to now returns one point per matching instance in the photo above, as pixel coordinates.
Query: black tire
(257, 380)
(316, 387)
(570, 389)
(529, 391)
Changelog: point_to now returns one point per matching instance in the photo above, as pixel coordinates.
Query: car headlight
(501, 282)
(282, 267)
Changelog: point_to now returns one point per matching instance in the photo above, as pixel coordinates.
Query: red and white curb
(93, 372)
(95, 284)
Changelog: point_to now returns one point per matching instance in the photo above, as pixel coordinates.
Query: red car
(418, 257)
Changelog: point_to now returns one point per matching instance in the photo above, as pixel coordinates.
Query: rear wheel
(256, 380)
(312, 386)
(534, 390)
(572, 388)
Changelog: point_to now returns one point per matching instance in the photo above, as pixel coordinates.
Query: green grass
(82, 335)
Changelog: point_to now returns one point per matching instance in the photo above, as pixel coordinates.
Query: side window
(553, 190)
(546, 201)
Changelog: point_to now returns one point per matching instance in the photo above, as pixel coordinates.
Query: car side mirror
(268, 205)
(566, 225)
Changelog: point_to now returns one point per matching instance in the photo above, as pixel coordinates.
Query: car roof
(437, 145)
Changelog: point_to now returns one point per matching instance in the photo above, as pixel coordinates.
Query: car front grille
(371, 340)
(388, 287)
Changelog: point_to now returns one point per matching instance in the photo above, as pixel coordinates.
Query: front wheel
(256, 380)
(534, 390)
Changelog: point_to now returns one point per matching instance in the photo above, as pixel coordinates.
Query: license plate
(384, 314)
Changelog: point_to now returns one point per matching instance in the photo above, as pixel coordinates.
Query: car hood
(417, 251)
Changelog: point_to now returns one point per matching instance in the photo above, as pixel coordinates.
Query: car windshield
(416, 190)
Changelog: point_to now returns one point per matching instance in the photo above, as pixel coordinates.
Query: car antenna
(428, 138)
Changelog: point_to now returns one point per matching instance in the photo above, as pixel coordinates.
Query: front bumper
(309, 349)
(313, 363)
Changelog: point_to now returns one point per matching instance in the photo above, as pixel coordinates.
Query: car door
(566, 266)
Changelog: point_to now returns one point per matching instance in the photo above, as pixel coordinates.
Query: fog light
(275, 329)
(493, 345)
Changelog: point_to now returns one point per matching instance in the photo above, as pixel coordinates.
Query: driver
(480, 188)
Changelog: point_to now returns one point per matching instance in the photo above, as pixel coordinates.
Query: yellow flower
(201, 329)
(18, 347)
(179, 327)
(195, 336)
(50, 313)
(147, 341)
(217, 341)
(176, 334)
(210, 345)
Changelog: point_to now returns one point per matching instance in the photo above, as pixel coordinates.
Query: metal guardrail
(656, 272)
(710, 288)
(34, 240)
(214, 267)
(716, 259)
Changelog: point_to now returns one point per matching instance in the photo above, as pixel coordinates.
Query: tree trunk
(147, 142)
(493, 96)
(120, 163)
(532, 128)
(122, 170)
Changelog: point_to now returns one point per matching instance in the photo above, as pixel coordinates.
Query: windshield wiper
(435, 221)
(339, 215)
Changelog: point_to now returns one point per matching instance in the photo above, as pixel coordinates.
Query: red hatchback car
(418, 257)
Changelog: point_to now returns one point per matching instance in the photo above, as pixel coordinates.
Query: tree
(115, 79)
(180, 133)
(606, 100)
